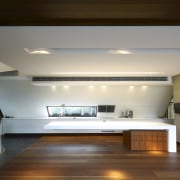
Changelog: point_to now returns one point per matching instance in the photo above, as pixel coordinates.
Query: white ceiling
(82, 50)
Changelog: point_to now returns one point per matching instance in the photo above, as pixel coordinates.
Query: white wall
(19, 98)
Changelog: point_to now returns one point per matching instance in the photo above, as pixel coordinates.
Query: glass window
(72, 111)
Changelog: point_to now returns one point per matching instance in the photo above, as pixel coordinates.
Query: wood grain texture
(89, 12)
(146, 140)
(91, 157)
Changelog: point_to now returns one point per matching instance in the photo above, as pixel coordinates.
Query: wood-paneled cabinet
(146, 140)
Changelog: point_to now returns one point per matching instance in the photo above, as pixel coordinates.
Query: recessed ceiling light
(37, 51)
(120, 51)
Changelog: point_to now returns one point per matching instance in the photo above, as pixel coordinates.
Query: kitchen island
(89, 125)
(115, 125)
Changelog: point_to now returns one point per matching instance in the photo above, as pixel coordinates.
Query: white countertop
(117, 125)
(149, 119)
(106, 124)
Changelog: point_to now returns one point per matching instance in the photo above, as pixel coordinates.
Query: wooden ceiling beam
(89, 12)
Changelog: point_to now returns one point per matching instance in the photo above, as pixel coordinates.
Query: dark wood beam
(89, 12)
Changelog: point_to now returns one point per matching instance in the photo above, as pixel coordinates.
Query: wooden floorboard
(91, 157)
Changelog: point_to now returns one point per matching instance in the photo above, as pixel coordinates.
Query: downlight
(37, 51)
(119, 51)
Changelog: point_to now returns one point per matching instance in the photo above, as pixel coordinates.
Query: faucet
(129, 113)
(63, 106)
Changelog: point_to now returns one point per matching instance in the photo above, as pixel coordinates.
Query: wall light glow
(131, 88)
(66, 87)
(92, 87)
(144, 88)
(53, 88)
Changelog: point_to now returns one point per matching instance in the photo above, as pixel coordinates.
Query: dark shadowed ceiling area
(89, 12)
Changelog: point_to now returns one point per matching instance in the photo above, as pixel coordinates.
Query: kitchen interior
(45, 90)
(89, 89)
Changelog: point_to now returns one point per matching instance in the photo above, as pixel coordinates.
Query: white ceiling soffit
(115, 51)
(90, 37)
(81, 49)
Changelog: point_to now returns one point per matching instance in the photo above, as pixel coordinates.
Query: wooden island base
(146, 140)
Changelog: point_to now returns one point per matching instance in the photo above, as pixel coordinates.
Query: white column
(0, 136)
(172, 146)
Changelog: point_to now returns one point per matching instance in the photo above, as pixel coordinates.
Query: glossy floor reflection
(14, 145)
(91, 157)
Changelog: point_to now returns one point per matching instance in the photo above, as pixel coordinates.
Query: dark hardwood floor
(14, 144)
(91, 157)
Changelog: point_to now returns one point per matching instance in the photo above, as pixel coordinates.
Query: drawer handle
(108, 131)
